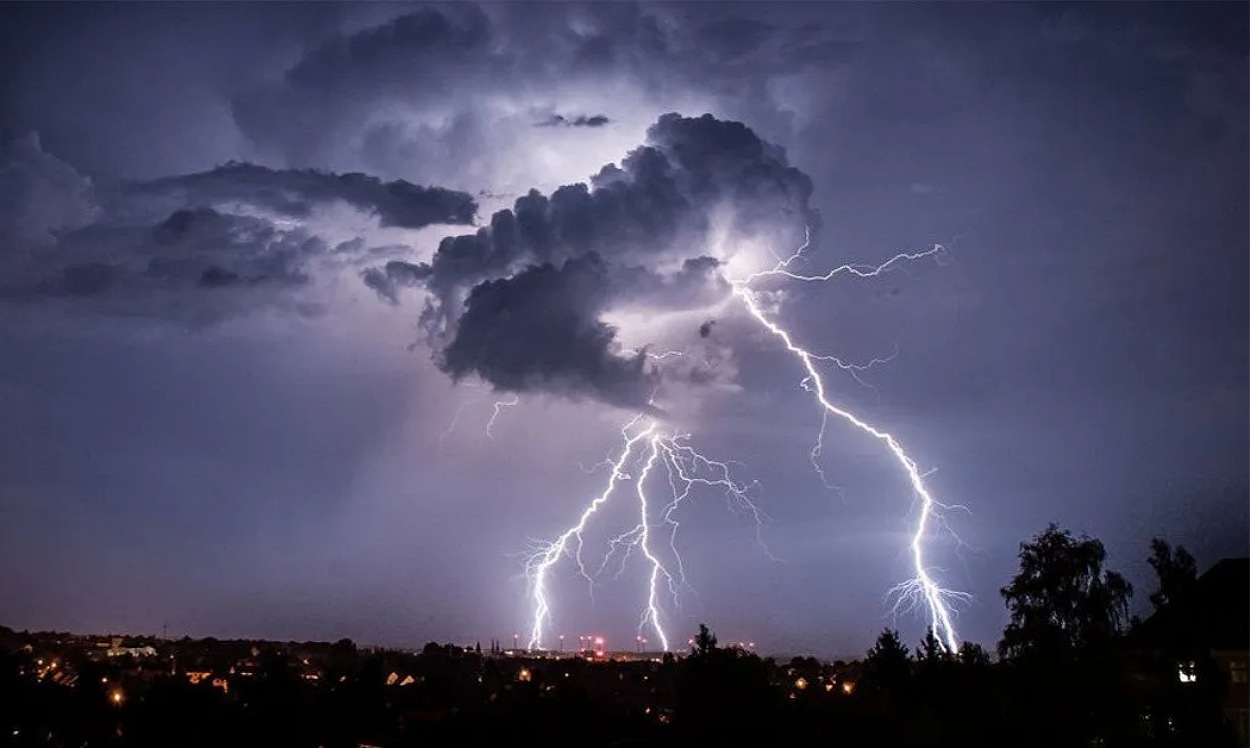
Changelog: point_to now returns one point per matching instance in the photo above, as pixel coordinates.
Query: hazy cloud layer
(294, 192)
(195, 267)
(41, 197)
(152, 249)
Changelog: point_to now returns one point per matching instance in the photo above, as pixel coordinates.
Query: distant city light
(1187, 672)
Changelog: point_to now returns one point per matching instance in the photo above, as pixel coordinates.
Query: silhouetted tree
(972, 654)
(931, 651)
(1066, 610)
(721, 691)
(1176, 571)
(887, 668)
(1062, 598)
(704, 641)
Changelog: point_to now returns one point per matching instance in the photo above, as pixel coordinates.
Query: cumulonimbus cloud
(525, 302)
(520, 303)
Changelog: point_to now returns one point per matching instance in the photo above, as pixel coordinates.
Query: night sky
(246, 375)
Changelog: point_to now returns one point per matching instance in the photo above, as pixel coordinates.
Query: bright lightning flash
(645, 447)
(922, 589)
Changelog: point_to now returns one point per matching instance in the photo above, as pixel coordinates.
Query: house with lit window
(1192, 661)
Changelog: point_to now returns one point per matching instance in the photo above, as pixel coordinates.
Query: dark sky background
(221, 409)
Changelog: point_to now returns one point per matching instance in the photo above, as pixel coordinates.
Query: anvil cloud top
(313, 316)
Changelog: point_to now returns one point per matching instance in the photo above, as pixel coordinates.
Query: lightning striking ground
(570, 542)
(922, 588)
(645, 447)
(687, 468)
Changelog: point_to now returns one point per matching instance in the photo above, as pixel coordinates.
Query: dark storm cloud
(539, 330)
(216, 248)
(393, 276)
(56, 242)
(581, 120)
(293, 192)
(175, 269)
(532, 319)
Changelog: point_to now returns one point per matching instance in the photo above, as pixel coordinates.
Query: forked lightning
(646, 446)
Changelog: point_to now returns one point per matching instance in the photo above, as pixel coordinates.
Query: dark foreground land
(1070, 671)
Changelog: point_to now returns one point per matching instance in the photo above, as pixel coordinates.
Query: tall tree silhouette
(888, 666)
(1176, 571)
(1066, 610)
(1063, 599)
(722, 691)
(704, 641)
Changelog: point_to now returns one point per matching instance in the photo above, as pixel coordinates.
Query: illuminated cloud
(520, 303)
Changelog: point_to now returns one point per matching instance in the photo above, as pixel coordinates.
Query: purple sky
(253, 400)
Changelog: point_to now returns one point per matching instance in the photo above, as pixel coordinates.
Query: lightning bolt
(651, 614)
(922, 589)
(451, 427)
(494, 416)
(645, 447)
(570, 541)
